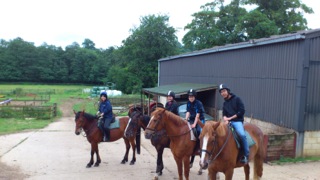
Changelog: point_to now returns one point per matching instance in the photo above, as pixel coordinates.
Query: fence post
(54, 109)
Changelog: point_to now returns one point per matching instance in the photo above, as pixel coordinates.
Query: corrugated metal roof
(251, 43)
(178, 89)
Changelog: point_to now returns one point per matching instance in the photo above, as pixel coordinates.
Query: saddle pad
(193, 138)
(249, 139)
(115, 124)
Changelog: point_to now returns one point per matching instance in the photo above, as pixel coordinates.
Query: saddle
(115, 123)
(238, 140)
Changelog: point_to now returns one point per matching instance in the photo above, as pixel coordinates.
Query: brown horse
(159, 140)
(88, 123)
(220, 151)
(178, 131)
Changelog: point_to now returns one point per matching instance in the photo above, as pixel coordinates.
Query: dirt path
(55, 152)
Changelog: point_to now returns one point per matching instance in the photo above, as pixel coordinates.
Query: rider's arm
(187, 115)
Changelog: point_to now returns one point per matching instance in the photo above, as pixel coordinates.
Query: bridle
(215, 144)
(83, 132)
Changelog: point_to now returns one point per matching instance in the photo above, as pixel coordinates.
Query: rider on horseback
(195, 111)
(171, 104)
(105, 110)
(233, 112)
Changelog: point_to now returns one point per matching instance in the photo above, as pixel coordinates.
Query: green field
(57, 94)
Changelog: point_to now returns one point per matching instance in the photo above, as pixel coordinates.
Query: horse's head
(208, 142)
(136, 117)
(156, 122)
(79, 119)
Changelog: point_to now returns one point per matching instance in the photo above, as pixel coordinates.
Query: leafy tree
(257, 25)
(217, 24)
(88, 44)
(286, 14)
(152, 40)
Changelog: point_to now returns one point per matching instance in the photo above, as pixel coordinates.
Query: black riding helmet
(223, 86)
(171, 93)
(104, 93)
(192, 92)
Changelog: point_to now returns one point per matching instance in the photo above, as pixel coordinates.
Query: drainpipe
(301, 94)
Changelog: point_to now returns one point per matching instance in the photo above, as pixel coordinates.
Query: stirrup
(105, 138)
(244, 160)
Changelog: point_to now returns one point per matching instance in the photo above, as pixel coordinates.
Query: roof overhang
(178, 89)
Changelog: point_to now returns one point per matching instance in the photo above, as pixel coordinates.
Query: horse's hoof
(191, 166)
(159, 173)
(199, 172)
(155, 178)
(88, 166)
(123, 162)
(132, 163)
(96, 165)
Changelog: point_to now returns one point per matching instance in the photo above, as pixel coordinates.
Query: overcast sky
(105, 22)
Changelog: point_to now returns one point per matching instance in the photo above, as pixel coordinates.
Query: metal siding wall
(312, 119)
(263, 76)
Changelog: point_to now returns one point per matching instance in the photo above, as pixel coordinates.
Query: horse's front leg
(247, 172)
(133, 145)
(186, 163)
(213, 175)
(229, 174)
(91, 154)
(125, 158)
(179, 166)
(96, 150)
(159, 160)
(191, 161)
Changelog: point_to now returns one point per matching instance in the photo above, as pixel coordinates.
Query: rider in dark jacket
(105, 110)
(195, 111)
(233, 112)
(171, 104)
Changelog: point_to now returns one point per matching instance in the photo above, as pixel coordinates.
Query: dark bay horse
(220, 152)
(159, 140)
(88, 123)
(178, 131)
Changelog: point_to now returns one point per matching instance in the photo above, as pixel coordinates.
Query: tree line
(133, 65)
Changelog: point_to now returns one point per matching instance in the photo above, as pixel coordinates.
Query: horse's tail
(259, 157)
(138, 140)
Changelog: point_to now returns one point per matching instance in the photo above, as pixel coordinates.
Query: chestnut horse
(178, 131)
(220, 151)
(159, 140)
(89, 123)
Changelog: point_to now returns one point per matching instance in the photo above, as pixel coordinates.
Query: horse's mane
(177, 120)
(208, 128)
(221, 130)
(86, 115)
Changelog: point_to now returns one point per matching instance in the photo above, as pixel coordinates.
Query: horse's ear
(216, 125)
(200, 124)
(74, 112)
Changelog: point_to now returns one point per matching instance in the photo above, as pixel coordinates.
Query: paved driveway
(55, 152)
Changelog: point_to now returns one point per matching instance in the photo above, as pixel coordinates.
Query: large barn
(278, 78)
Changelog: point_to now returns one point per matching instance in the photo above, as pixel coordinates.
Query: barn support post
(301, 94)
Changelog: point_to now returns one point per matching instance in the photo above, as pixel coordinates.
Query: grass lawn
(61, 92)
(8, 126)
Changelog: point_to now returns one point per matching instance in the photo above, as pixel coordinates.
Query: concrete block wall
(311, 143)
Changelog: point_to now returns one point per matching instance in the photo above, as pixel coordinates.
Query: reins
(223, 146)
(179, 134)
